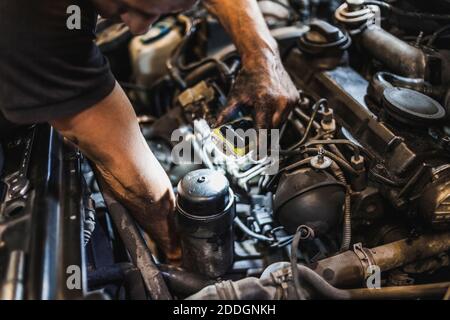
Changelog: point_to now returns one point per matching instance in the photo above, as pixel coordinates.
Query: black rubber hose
(415, 15)
(437, 34)
(120, 273)
(382, 80)
(134, 242)
(107, 275)
(181, 282)
(175, 64)
(250, 233)
(303, 232)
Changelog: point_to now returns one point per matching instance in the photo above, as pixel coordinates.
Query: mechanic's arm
(108, 134)
(263, 83)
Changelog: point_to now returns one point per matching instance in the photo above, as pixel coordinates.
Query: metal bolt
(320, 161)
(320, 156)
(355, 5)
(357, 162)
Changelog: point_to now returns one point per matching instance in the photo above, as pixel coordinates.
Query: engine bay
(352, 193)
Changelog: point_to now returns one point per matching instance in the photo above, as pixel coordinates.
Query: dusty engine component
(360, 189)
(149, 52)
(351, 268)
(405, 105)
(205, 213)
(363, 158)
(397, 118)
(362, 181)
(309, 197)
(326, 42)
(276, 284)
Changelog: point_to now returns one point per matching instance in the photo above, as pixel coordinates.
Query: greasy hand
(267, 89)
(138, 15)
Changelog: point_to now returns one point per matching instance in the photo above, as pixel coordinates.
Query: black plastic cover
(323, 38)
(412, 106)
(204, 193)
(309, 197)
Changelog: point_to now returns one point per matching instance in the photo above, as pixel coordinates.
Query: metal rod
(12, 288)
(138, 250)
(401, 292)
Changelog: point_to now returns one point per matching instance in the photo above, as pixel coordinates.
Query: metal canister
(205, 214)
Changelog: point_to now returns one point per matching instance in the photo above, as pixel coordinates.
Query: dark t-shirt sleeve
(46, 70)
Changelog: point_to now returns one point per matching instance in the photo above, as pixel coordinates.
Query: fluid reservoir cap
(156, 32)
(203, 193)
(322, 38)
(412, 106)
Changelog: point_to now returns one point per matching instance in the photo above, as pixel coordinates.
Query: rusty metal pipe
(395, 53)
(323, 290)
(401, 292)
(348, 269)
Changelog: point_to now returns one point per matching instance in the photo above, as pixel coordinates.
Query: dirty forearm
(244, 22)
(262, 86)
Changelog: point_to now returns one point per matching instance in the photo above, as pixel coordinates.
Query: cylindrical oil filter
(205, 214)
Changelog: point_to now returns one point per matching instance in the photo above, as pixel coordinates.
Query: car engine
(352, 195)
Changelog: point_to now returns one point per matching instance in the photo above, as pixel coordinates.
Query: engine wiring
(416, 15)
(303, 233)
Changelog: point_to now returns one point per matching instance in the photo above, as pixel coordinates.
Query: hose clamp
(366, 258)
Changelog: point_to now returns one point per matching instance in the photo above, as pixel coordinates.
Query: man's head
(140, 14)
